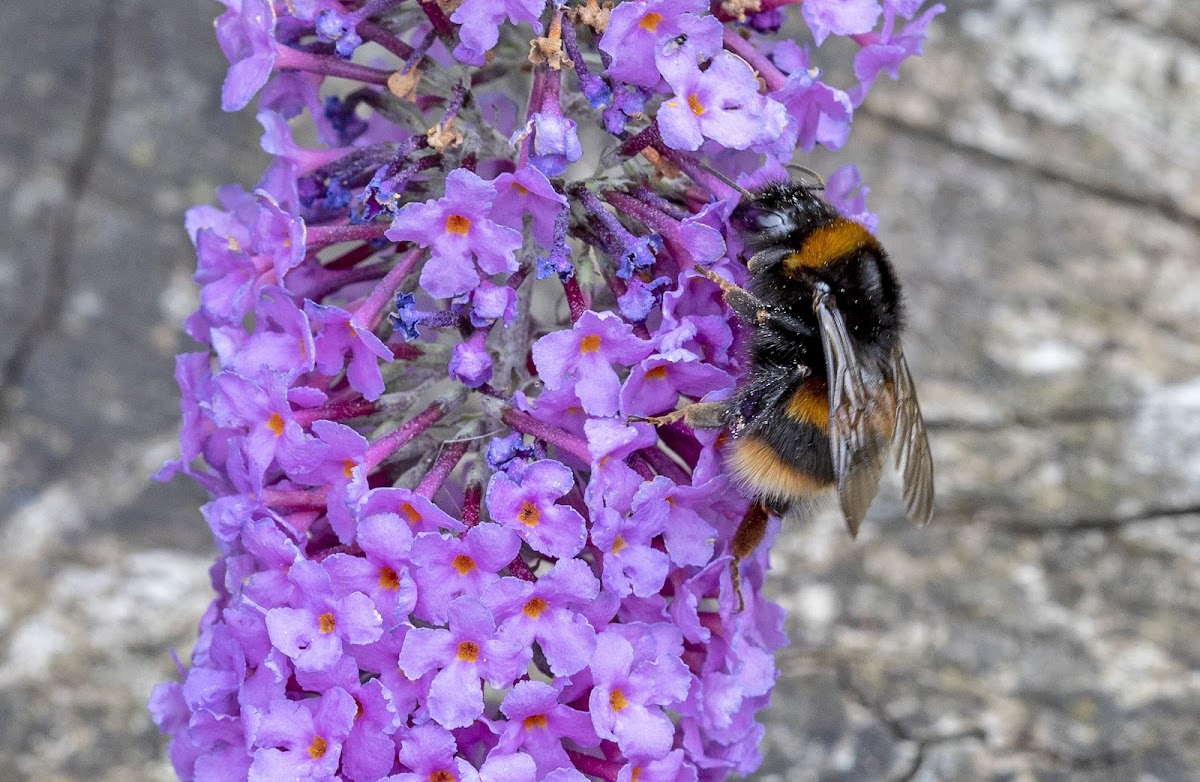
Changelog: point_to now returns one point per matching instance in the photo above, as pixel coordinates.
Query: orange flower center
(317, 749)
(529, 515)
(441, 776)
(650, 21)
(389, 579)
(468, 651)
(618, 545)
(658, 373)
(410, 514)
(326, 622)
(463, 564)
(617, 700)
(275, 424)
(695, 105)
(457, 224)
(589, 344)
(534, 608)
(348, 466)
(535, 721)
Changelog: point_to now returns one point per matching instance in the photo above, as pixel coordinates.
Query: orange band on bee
(757, 465)
(828, 243)
(810, 404)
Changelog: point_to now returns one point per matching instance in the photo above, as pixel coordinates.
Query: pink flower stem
(325, 235)
(472, 499)
(527, 424)
(402, 351)
(372, 7)
(641, 467)
(594, 767)
(287, 58)
(682, 441)
(393, 441)
(439, 20)
(735, 43)
(537, 94)
(664, 225)
(575, 298)
(665, 465)
(419, 51)
(377, 33)
(688, 165)
(342, 411)
(370, 312)
(443, 465)
(647, 137)
(520, 570)
(336, 282)
(350, 258)
(295, 499)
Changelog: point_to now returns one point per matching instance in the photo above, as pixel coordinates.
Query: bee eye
(768, 221)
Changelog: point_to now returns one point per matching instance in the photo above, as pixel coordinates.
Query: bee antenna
(745, 193)
(813, 174)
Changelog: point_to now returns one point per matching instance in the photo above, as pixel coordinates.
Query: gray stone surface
(1036, 176)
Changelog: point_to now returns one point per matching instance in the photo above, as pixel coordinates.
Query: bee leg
(752, 310)
(740, 300)
(698, 415)
(746, 538)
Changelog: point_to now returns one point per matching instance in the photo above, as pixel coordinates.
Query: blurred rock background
(1038, 179)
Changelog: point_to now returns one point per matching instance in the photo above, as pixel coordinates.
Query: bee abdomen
(784, 456)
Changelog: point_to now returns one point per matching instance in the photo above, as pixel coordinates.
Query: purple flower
(457, 227)
(470, 363)
(634, 30)
(303, 739)
(839, 17)
(538, 722)
(340, 334)
(582, 359)
(428, 751)
(528, 191)
(721, 103)
(260, 409)
(313, 632)
(822, 112)
(885, 51)
(447, 568)
(546, 612)
(463, 655)
(530, 508)
(246, 33)
(844, 189)
(630, 689)
(655, 384)
(481, 20)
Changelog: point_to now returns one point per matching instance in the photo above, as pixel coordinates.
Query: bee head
(781, 210)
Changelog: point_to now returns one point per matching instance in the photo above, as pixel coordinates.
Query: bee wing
(913, 460)
(854, 395)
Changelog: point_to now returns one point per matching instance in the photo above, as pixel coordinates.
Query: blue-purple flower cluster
(449, 550)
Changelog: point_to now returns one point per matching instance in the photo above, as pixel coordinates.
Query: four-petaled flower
(458, 227)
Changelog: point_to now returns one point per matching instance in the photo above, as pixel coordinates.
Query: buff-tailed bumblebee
(828, 392)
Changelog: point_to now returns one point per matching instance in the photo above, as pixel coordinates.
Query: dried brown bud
(443, 137)
(739, 9)
(549, 51)
(594, 15)
(404, 85)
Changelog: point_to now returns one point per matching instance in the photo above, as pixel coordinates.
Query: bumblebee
(828, 392)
